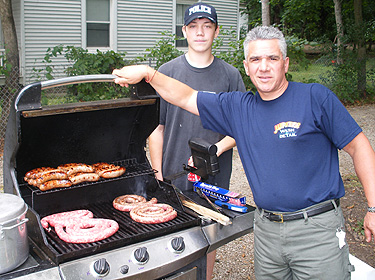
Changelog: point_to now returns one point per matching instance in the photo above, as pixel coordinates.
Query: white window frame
(112, 28)
(180, 2)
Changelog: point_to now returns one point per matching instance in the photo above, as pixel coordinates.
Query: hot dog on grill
(153, 213)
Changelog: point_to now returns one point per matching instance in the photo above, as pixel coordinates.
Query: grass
(322, 70)
(314, 72)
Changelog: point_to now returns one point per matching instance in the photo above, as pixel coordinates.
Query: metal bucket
(14, 246)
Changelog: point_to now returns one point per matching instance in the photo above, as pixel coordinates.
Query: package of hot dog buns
(221, 194)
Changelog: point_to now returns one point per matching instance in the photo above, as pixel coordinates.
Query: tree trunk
(12, 57)
(266, 17)
(340, 30)
(361, 53)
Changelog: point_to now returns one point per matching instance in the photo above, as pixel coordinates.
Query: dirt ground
(354, 206)
(354, 203)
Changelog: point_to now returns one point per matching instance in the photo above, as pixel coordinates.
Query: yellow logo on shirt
(287, 129)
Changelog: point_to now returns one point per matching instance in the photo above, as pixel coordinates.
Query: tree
(266, 17)
(340, 30)
(10, 35)
(361, 52)
(12, 59)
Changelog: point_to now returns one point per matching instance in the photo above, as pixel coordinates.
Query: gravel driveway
(235, 259)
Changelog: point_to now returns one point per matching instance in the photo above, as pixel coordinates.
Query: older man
(288, 135)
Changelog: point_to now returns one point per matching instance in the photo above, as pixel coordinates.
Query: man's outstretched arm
(169, 89)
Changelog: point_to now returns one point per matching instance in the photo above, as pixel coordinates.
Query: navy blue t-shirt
(288, 146)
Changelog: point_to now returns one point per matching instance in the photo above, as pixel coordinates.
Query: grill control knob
(101, 267)
(141, 255)
(124, 269)
(178, 244)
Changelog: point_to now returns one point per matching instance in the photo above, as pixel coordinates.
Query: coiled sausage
(153, 213)
(129, 201)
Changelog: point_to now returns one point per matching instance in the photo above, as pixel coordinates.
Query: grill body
(113, 131)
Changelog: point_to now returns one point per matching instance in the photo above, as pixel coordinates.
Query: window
(180, 12)
(98, 23)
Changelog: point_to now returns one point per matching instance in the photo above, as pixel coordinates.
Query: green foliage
(235, 54)
(359, 228)
(296, 54)
(304, 18)
(6, 68)
(82, 62)
(342, 79)
(163, 51)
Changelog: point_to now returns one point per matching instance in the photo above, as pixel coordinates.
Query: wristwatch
(371, 209)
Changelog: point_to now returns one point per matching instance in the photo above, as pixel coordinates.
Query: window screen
(180, 12)
(97, 23)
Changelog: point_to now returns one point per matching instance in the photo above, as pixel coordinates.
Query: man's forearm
(169, 89)
(225, 144)
(155, 143)
(364, 163)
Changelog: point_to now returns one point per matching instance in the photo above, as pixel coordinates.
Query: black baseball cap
(200, 10)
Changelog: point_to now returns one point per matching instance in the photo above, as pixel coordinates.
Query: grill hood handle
(29, 97)
(78, 80)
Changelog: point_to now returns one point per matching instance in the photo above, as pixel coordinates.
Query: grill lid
(88, 132)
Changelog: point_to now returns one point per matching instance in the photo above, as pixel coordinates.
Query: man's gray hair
(265, 33)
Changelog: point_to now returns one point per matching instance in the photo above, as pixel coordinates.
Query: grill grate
(133, 169)
(129, 232)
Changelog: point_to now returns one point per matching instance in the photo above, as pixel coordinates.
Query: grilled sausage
(37, 172)
(102, 167)
(153, 213)
(54, 174)
(72, 168)
(108, 170)
(81, 177)
(129, 201)
(53, 184)
(114, 173)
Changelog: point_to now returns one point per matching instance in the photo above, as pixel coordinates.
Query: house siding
(228, 16)
(44, 24)
(139, 24)
(48, 24)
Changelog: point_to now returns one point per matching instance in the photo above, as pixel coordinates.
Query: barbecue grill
(113, 131)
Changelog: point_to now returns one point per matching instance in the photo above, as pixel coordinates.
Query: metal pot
(14, 246)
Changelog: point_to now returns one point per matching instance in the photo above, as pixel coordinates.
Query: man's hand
(369, 226)
(130, 75)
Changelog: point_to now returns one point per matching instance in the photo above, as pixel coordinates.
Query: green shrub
(163, 51)
(343, 79)
(82, 62)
